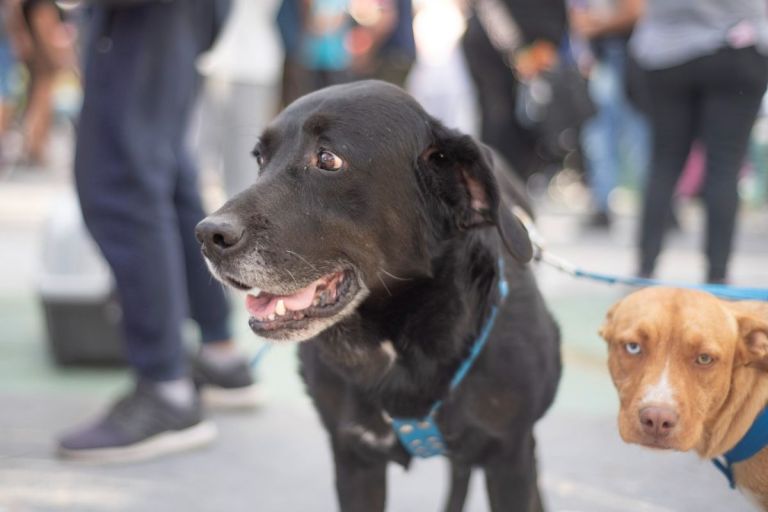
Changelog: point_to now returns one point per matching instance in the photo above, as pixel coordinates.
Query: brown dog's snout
(658, 421)
(220, 233)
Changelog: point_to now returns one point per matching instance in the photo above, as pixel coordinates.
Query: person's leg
(220, 370)
(44, 26)
(496, 89)
(734, 84)
(7, 85)
(133, 118)
(673, 119)
(207, 302)
(125, 172)
(599, 135)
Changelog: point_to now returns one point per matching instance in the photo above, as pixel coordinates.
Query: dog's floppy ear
(753, 333)
(606, 330)
(465, 167)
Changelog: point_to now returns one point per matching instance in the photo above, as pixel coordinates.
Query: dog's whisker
(302, 258)
(292, 276)
(378, 274)
(393, 276)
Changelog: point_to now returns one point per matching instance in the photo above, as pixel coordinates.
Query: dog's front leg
(361, 483)
(512, 481)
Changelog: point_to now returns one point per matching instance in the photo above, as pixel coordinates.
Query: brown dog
(690, 370)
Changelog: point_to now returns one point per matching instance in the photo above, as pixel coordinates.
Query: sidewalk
(278, 459)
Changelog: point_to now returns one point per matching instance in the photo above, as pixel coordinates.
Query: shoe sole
(249, 397)
(196, 436)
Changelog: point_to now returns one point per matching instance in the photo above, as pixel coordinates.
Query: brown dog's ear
(753, 332)
(606, 331)
(468, 186)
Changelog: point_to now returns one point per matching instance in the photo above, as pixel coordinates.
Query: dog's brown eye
(327, 161)
(704, 360)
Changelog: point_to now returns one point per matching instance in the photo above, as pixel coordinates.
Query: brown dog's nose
(219, 233)
(658, 421)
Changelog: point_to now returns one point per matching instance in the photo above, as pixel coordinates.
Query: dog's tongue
(265, 304)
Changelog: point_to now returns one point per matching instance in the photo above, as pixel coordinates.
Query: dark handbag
(555, 103)
(553, 106)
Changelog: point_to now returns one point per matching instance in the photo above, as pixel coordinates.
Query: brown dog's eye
(632, 348)
(327, 161)
(704, 360)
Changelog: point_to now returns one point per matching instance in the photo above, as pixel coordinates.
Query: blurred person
(618, 133)
(497, 76)
(139, 196)
(324, 53)
(241, 93)
(8, 74)
(45, 45)
(382, 43)
(706, 70)
(289, 24)
(314, 35)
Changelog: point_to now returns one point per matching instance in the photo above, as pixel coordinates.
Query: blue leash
(260, 355)
(541, 254)
(421, 437)
(720, 290)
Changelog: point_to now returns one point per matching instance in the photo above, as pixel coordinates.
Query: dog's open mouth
(321, 299)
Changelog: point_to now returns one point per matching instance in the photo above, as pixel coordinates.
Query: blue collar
(421, 437)
(753, 441)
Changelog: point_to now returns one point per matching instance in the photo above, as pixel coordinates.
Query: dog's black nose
(220, 233)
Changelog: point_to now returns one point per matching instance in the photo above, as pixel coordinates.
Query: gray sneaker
(140, 426)
(232, 387)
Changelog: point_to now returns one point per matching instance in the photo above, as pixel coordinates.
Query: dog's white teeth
(271, 317)
(255, 292)
(280, 308)
(316, 301)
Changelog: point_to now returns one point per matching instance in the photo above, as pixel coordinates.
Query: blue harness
(421, 437)
(753, 441)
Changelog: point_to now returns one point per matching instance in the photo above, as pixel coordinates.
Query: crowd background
(271, 52)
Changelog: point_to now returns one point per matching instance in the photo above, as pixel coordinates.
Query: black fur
(418, 212)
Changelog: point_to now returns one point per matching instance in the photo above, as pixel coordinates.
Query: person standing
(530, 27)
(139, 196)
(240, 95)
(618, 132)
(382, 43)
(706, 69)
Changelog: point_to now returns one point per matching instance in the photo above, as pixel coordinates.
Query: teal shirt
(327, 51)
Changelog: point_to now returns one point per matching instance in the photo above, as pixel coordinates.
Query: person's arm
(590, 24)
(376, 19)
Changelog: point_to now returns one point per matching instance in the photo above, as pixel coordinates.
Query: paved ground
(277, 459)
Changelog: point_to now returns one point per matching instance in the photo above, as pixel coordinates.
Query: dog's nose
(658, 421)
(219, 233)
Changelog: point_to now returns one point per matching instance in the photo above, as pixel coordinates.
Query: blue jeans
(618, 136)
(138, 187)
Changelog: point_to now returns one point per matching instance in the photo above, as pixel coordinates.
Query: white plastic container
(77, 290)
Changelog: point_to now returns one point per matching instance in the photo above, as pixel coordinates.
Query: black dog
(375, 233)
